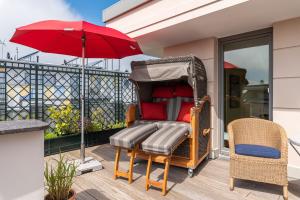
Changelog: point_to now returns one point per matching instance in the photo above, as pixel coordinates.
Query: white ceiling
(244, 17)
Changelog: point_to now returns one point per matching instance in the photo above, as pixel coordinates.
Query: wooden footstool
(129, 138)
(160, 145)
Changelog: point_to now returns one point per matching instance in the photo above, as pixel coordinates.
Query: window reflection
(246, 83)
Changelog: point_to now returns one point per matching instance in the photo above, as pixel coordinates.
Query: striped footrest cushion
(129, 137)
(165, 140)
(161, 124)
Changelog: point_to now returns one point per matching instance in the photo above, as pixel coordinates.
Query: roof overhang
(219, 18)
(120, 8)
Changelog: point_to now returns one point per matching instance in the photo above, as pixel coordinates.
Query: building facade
(250, 48)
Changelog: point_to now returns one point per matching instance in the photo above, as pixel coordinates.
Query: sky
(16, 13)
(90, 10)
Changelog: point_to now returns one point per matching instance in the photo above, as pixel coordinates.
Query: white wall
(22, 166)
(286, 80)
(206, 50)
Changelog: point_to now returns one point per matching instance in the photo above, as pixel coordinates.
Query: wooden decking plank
(210, 181)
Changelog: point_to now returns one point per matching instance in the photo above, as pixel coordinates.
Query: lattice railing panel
(126, 93)
(102, 88)
(28, 90)
(18, 92)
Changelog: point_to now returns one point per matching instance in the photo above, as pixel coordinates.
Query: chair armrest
(284, 145)
(231, 140)
(197, 114)
(130, 114)
(194, 114)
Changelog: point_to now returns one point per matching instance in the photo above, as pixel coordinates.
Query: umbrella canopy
(65, 37)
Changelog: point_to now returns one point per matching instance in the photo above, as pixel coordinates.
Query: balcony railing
(28, 90)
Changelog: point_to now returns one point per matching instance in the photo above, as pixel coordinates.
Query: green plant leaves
(59, 178)
(65, 118)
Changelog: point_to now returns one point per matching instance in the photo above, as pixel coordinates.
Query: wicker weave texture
(204, 123)
(259, 132)
(183, 150)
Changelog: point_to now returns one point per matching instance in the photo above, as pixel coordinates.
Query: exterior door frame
(267, 32)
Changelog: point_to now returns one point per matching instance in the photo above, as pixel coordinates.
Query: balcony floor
(210, 181)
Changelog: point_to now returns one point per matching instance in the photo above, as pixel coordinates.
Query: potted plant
(59, 177)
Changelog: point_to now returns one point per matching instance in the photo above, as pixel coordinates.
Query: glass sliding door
(246, 68)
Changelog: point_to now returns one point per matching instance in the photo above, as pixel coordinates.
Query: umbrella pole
(82, 146)
(85, 164)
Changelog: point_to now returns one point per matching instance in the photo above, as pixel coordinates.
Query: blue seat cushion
(257, 151)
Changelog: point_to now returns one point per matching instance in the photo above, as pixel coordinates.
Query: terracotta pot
(72, 195)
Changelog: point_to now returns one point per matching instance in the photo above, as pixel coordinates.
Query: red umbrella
(77, 38)
(70, 38)
(228, 65)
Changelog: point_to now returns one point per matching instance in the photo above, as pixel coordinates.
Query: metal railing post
(5, 92)
(36, 92)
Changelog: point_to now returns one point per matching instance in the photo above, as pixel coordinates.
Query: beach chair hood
(146, 74)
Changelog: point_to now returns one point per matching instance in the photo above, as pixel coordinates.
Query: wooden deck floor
(209, 183)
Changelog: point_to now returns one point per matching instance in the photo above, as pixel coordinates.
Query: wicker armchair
(258, 132)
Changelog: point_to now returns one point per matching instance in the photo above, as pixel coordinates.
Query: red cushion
(154, 111)
(184, 113)
(163, 92)
(183, 91)
(163, 102)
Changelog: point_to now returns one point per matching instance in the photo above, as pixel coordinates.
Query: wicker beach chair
(264, 133)
(148, 75)
(173, 82)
